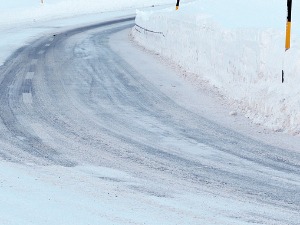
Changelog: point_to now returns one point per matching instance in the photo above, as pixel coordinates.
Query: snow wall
(238, 47)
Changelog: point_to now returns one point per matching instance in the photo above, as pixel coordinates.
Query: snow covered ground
(238, 47)
(95, 194)
(22, 21)
(53, 195)
(23, 11)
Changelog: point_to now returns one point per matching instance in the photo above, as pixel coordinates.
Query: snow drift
(238, 46)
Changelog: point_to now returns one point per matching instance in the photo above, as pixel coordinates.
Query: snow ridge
(239, 51)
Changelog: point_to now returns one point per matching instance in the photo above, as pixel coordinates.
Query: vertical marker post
(288, 30)
(288, 25)
(42, 1)
(177, 4)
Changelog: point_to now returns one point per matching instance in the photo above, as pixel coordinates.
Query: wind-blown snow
(238, 46)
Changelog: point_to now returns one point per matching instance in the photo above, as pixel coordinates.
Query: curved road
(69, 99)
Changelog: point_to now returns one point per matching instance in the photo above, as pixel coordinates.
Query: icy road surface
(70, 99)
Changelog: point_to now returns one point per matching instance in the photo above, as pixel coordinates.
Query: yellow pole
(288, 34)
(288, 25)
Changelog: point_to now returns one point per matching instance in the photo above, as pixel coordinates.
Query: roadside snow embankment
(238, 47)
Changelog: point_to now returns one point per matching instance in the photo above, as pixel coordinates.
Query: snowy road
(70, 99)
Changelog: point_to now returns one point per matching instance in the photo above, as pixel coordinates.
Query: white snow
(238, 47)
(99, 195)
(22, 11)
(41, 195)
(22, 21)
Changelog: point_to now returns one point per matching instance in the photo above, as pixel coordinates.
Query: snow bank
(238, 46)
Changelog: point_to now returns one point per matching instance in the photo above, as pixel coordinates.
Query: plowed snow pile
(238, 46)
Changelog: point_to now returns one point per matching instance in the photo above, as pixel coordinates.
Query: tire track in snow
(87, 105)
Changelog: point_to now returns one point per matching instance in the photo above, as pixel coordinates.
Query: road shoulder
(206, 101)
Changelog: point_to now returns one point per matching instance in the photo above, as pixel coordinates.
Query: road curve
(69, 99)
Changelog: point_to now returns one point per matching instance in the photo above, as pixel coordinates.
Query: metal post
(288, 25)
(288, 33)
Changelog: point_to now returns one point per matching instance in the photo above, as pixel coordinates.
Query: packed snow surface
(22, 21)
(133, 154)
(238, 47)
(32, 10)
